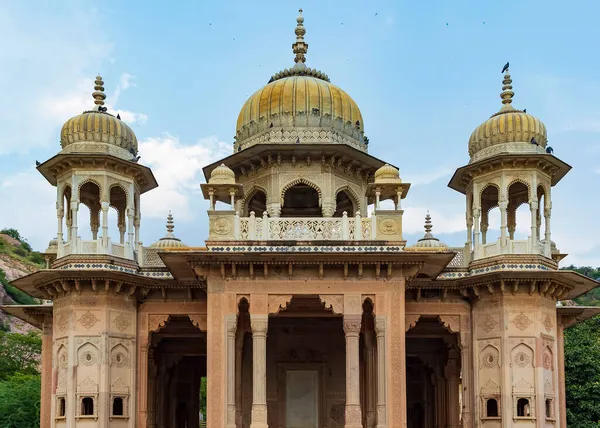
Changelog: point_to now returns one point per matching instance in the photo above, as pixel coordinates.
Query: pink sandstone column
(231, 330)
(46, 399)
(215, 358)
(259, 324)
(561, 373)
(380, 327)
(352, 324)
(396, 397)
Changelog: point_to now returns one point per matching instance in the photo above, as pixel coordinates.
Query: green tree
(13, 233)
(19, 354)
(582, 372)
(203, 396)
(20, 401)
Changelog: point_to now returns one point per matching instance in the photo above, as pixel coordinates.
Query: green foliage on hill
(17, 295)
(22, 252)
(593, 297)
(20, 380)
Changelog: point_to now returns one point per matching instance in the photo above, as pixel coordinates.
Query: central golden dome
(300, 97)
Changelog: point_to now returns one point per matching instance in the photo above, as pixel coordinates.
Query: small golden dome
(387, 174)
(428, 242)
(222, 175)
(169, 240)
(300, 97)
(52, 246)
(518, 131)
(109, 133)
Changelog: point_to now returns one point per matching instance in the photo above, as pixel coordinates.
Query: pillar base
(259, 416)
(353, 416)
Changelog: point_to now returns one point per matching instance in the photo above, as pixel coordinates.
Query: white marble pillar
(533, 206)
(477, 244)
(380, 326)
(231, 330)
(352, 324)
(259, 324)
(74, 209)
(130, 232)
(104, 206)
(503, 205)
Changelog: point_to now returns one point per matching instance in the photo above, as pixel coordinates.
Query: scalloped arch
(352, 193)
(297, 181)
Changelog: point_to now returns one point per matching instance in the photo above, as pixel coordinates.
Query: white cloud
(32, 202)
(424, 178)
(178, 170)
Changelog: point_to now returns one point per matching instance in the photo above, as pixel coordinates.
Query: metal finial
(99, 95)
(428, 225)
(170, 225)
(300, 47)
(507, 92)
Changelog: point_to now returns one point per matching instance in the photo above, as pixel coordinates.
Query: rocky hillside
(16, 260)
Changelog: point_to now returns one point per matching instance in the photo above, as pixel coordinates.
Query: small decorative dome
(508, 131)
(105, 132)
(428, 241)
(301, 97)
(222, 175)
(387, 174)
(169, 240)
(53, 246)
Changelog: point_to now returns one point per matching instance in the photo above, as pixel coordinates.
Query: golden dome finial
(428, 226)
(99, 95)
(170, 225)
(300, 47)
(507, 92)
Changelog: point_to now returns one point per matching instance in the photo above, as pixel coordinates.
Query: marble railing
(304, 228)
(525, 246)
(95, 246)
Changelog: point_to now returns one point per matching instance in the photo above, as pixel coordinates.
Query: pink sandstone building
(306, 308)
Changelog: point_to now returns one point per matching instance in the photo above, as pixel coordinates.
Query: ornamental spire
(507, 92)
(428, 226)
(98, 94)
(170, 226)
(300, 47)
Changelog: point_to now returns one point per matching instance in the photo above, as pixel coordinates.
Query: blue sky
(424, 74)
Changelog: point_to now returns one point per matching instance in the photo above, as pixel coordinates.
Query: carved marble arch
(119, 356)
(255, 200)
(346, 200)
(62, 357)
(523, 356)
(118, 196)
(296, 182)
(489, 357)
(89, 189)
(333, 303)
(87, 354)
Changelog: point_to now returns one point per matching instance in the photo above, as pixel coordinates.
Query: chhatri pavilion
(306, 307)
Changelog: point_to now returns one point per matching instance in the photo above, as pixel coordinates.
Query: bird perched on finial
(533, 141)
(137, 158)
(549, 150)
(505, 68)
(524, 110)
(298, 140)
(118, 116)
(37, 163)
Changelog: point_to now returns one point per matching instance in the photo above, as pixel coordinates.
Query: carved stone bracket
(411, 321)
(157, 322)
(279, 302)
(333, 302)
(199, 321)
(450, 322)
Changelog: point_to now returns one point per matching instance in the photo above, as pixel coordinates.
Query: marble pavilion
(305, 308)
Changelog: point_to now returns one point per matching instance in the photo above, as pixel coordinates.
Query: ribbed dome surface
(508, 131)
(99, 127)
(300, 95)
